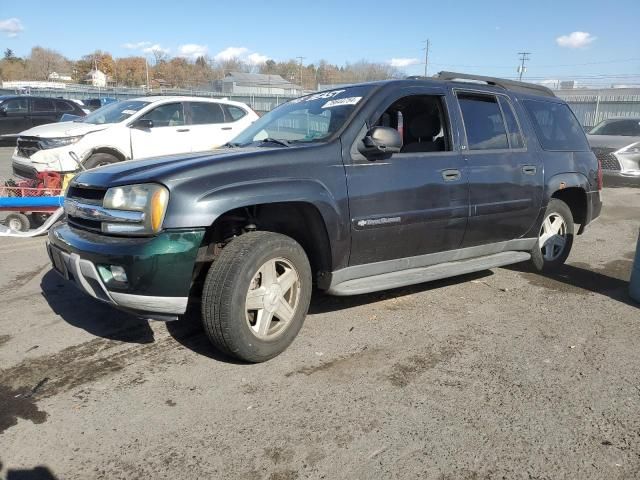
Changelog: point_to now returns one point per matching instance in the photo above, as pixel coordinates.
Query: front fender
(211, 205)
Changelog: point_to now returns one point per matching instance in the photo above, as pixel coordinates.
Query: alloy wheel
(553, 237)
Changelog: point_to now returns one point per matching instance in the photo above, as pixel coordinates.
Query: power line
(524, 56)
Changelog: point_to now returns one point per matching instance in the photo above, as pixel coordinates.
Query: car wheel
(555, 237)
(38, 219)
(99, 159)
(18, 222)
(256, 296)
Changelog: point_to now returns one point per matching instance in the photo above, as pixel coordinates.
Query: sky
(593, 42)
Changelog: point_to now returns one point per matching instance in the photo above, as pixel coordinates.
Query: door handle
(226, 128)
(182, 130)
(451, 175)
(529, 170)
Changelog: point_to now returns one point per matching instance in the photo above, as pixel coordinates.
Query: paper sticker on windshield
(342, 101)
(128, 112)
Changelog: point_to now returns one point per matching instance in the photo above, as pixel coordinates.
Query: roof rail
(522, 87)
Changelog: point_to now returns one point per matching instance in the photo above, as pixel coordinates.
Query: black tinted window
(62, 106)
(556, 126)
(169, 115)
(515, 135)
(42, 105)
(234, 113)
(626, 128)
(204, 113)
(16, 105)
(483, 122)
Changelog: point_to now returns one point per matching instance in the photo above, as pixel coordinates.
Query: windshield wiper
(232, 145)
(284, 143)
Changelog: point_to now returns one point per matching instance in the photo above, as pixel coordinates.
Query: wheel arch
(572, 189)
(110, 150)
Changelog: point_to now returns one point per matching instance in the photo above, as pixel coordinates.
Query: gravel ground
(499, 374)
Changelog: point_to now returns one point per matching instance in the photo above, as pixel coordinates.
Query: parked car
(21, 112)
(616, 143)
(96, 103)
(357, 189)
(138, 128)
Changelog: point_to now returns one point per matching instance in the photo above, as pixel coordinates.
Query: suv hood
(611, 141)
(63, 129)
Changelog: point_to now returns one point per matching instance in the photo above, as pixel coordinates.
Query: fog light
(118, 273)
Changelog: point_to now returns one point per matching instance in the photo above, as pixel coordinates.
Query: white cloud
(156, 48)
(11, 26)
(575, 40)
(135, 46)
(257, 59)
(192, 50)
(229, 53)
(403, 62)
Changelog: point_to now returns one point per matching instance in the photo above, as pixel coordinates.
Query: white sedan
(130, 129)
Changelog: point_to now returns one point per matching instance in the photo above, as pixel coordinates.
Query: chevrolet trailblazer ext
(357, 189)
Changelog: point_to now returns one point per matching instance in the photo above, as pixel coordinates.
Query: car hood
(172, 169)
(611, 141)
(63, 129)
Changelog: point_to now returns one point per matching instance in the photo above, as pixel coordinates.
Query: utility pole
(301, 59)
(426, 56)
(524, 56)
(146, 66)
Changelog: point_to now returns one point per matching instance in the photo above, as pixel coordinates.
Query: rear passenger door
(43, 111)
(505, 176)
(208, 127)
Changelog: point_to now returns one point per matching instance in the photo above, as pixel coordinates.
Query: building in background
(591, 106)
(60, 77)
(96, 78)
(256, 84)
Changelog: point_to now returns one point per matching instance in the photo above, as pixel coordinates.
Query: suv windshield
(626, 128)
(114, 112)
(312, 118)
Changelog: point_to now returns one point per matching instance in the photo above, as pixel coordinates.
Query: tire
(18, 222)
(234, 283)
(38, 219)
(99, 159)
(549, 257)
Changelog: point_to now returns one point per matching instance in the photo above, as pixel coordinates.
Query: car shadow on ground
(93, 316)
(607, 280)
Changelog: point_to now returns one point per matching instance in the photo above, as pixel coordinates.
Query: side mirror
(380, 143)
(142, 124)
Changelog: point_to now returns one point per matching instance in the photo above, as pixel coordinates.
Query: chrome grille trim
(100, 214)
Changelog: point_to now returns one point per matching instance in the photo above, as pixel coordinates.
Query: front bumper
(159, 269)
(621, 178)
(52, 160)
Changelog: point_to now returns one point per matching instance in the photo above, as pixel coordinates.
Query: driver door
(169, 134)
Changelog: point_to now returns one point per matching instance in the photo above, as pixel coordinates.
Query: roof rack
(522, 87)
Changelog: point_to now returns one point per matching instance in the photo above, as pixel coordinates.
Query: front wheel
(99, 160)
(256, 296)
(554, 239)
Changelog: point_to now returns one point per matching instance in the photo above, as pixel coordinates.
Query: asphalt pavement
(499, 374)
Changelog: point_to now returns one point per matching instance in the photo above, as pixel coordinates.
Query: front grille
(24, 172)
(607, 159)
(84, 224)
(92, 196)
(27, 146)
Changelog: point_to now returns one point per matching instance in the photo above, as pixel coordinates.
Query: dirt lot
(500, 374)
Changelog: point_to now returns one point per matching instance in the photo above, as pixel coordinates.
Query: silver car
(616, 143)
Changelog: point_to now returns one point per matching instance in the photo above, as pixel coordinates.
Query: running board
(412, 276)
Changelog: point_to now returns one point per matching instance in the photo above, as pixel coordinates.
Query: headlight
(149, 198)
(46, 143)
(632, 149)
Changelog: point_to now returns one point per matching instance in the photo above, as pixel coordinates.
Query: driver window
(16, 105)
(169, 115)
(421, 122)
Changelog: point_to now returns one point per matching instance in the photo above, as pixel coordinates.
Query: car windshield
(625, 127)
(313, 118)
(114, 112)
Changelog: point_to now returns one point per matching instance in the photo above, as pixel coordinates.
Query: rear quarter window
(556, 126)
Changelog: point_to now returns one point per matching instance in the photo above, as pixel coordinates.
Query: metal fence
(593, 106)
(259, 103)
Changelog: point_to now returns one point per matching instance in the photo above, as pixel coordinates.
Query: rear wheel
(256, 296)
(18, 222)
(555, 237)
(100, 159)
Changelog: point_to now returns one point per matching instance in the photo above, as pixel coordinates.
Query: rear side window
(556, 126)
(234, 113)
(62, 106)
(483, 122)
(42, 105)
(515, 135)
(203, 113)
